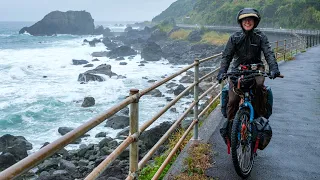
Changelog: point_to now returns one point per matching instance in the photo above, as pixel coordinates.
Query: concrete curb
(209, 126)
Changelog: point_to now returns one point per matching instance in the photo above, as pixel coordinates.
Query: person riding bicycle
(245, 47)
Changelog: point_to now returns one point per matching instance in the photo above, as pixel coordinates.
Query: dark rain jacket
(246, 48)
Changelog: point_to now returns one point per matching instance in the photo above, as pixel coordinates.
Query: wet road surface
(294, 151)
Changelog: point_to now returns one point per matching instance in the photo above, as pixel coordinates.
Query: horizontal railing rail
(284, 50)
(275, 30)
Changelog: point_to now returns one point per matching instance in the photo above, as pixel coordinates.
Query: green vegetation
(181, 34)
(295, 14)
(212, 107)
(177, 10)
(215, 38)
(195, 165)
(166, 25)
(165, 28)
(197, 162)
(149, 171)
(209, 37)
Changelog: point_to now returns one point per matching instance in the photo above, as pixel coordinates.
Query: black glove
(220, 76)
(274, 74)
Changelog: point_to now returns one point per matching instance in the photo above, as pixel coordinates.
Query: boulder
(102, 69)
(123, 133)
(134, 36)
(85, 77)
(101, 134)
(124, 111)
(150, 137)
(107, 142)
(179, 90)
(174, 50)
(194, 36)
(79, 62)
(88, 102)
(187, 79)
(68, 166)
(109, 44)
(99, 54)
(57, 22)
(158, 35)
(120, 58)
(155, 93)
(117, 170)
(118, 122)
(15, 145)
(171, 85)
(93, 42)
(88, 65)
(151, 51)
(121, 51)
(64, 130)
(90, 75)
(107, 33)
(6, 160)
(99, 30)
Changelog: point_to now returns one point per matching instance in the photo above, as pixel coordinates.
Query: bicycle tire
(235, 145)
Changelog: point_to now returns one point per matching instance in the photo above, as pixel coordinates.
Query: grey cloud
(101, 10)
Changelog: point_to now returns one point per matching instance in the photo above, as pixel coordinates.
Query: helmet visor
(247, 15)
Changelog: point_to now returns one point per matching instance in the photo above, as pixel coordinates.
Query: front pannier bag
(264, 131)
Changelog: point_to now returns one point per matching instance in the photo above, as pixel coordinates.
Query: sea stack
(57, 22)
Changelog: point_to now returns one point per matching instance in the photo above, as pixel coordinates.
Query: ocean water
(40, 93)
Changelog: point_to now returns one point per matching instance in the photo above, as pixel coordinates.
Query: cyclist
(245, 47)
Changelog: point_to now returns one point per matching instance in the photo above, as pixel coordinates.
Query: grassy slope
(302, 14)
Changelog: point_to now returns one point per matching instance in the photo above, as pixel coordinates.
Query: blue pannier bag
(269, 102)
(224, 100)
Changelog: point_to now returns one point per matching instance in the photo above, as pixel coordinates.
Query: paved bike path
(294, 151)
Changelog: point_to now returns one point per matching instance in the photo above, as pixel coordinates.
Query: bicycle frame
(246, 103)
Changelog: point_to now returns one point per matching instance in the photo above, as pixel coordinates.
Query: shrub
(215, 38)
(181, 34)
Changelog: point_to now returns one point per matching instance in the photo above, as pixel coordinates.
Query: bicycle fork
(244, 127)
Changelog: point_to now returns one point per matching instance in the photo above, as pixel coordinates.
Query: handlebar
(249, 73)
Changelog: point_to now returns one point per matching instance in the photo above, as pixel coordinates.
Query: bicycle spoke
(241, 144)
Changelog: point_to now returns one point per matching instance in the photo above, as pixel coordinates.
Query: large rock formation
(12, 150)
(57, 22)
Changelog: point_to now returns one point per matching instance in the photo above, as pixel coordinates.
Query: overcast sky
(101, 10)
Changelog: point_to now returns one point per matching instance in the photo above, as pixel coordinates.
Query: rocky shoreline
(153, 45)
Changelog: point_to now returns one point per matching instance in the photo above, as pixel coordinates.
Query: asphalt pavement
(294, 151)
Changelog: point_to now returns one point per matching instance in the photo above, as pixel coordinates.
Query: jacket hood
(249, 12)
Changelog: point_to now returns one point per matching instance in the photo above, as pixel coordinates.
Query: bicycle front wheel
(241, 143)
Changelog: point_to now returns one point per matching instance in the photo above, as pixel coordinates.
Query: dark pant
(259, 101)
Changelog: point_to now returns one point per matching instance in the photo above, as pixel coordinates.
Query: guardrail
(275, 30)
(282, 48)
(285, 49)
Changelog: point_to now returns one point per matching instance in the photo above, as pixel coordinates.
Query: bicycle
(245, 135)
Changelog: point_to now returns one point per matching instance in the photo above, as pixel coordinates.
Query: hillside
(300, 14)
(178, 10)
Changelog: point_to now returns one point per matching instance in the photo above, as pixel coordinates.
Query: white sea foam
(5, 35)
(40, 86)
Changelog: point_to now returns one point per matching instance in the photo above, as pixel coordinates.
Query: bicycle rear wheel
(241, 143)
